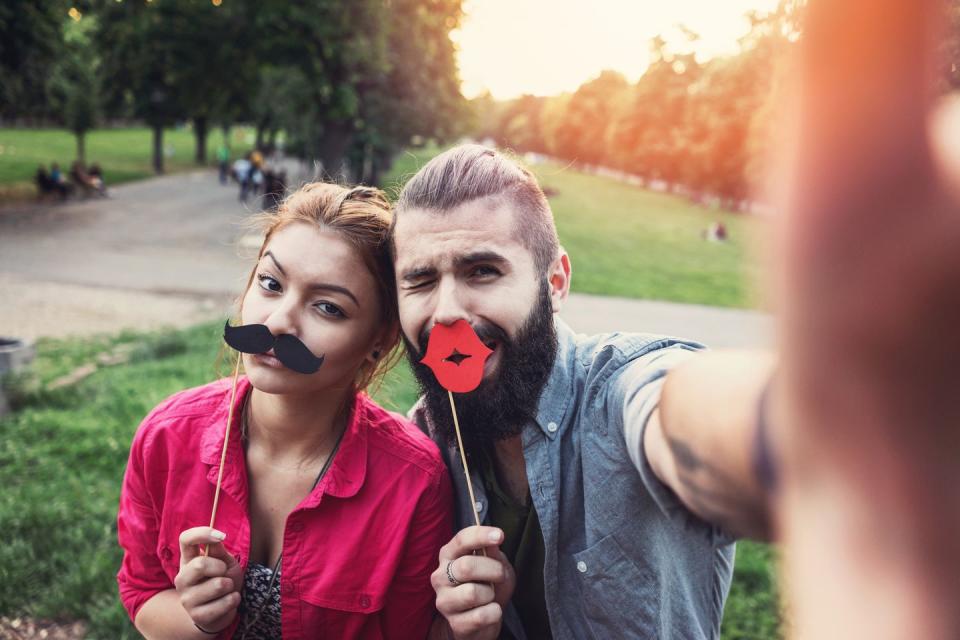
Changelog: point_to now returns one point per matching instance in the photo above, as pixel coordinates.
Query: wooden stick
(223, 454)
(466, 469)
(463, 459)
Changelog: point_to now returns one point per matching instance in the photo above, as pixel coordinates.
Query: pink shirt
(357, 552)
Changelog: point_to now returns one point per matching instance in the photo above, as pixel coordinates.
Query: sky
(546, 47)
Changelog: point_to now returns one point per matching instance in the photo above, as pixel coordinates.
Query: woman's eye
(329, 309)
(268, 283)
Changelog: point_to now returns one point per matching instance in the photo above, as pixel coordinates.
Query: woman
(332, 511)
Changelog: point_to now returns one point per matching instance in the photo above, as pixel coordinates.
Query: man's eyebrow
(317, 286)
(418, 273)
(274, 258)
(470, 259)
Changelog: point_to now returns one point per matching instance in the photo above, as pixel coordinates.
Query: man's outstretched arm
(703, 449)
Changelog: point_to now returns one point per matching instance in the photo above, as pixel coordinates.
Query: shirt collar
(558, 391)
(345, 475)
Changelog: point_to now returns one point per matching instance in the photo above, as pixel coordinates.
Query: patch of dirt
(32, 309)
(31, 629)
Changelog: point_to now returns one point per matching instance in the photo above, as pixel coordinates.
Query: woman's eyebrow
(317, 286)
(274, 258)
(324, 286)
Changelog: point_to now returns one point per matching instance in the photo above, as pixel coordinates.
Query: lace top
(259, 605)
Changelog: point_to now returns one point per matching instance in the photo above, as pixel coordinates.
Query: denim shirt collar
(558, 392)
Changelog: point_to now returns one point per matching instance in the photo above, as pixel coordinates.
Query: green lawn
(123, 154)
(626, 241)
(62, 455)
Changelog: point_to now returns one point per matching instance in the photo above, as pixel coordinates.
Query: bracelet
(764, 466)
(209, 633)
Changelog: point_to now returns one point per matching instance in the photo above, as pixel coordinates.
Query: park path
(171, 251)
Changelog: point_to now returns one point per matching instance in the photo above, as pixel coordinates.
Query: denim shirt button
(478, 505)
(582, 566)
(552, 427)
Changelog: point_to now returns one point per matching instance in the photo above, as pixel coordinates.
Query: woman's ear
(384, 342)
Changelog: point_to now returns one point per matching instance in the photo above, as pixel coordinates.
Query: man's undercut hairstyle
(470, 172)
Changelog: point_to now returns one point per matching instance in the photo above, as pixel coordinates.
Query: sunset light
(545, 47)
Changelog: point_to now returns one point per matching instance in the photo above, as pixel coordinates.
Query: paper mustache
(288, 349)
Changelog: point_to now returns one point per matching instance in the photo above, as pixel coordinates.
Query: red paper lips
(456, 356)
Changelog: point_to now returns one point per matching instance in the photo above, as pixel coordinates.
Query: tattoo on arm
(712, 494)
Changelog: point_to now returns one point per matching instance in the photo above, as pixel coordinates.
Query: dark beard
(501, 406)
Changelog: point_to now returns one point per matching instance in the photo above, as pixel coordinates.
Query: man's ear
(558, 278)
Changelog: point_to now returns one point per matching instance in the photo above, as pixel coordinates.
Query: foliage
(73, 87)
(352, 83)
(30, 37)
(700, 125)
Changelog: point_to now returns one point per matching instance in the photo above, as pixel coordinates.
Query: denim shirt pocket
(610, 586)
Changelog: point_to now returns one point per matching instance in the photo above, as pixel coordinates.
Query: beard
(503, 404)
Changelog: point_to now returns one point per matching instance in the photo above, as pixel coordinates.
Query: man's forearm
(700, 442)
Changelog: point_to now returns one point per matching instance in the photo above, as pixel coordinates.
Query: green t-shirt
(523, 546)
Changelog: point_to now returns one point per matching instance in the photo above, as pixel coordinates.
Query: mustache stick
(223, 454)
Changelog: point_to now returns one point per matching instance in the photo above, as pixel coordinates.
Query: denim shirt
(624, 558)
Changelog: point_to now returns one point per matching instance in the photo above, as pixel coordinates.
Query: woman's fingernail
(217, 535)
(494, 536)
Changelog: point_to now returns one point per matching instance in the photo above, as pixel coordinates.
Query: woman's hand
(209, 586)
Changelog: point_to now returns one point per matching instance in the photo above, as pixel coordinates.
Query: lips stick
(463, 459)
(223, 454)
(449, 346)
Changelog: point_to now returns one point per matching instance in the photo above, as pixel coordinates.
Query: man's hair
(470, 172)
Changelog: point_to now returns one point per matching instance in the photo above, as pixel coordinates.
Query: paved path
(172, 251)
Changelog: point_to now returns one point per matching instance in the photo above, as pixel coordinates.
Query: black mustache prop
(289, 350)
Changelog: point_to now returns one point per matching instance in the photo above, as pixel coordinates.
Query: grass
(123, 154)
(626, 241)
(62, 456)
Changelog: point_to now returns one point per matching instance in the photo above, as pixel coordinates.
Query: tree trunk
(200, 133)
(261, 128)
(272, 139)
(332, 146)
(81, 146)
(158, 149)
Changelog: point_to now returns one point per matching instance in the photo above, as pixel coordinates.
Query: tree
(73, 88)
(139, 59)
(30, 41)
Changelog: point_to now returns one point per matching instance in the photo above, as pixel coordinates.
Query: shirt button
(166, 554)
(552, 427)
(287, 588)
(582, 566)
(364, 601)
(296, 526)
(478, 505)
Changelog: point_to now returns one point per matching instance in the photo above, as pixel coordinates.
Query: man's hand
(474, 605)
(869, 422)
(209, 587)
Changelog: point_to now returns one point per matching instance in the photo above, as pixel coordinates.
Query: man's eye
(268, 283)
(423, 284)
(485, 272)
(329, 309)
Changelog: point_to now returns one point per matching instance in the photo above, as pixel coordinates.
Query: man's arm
(703, 449)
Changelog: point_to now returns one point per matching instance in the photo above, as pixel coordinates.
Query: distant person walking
(223, 160)
(242, 168)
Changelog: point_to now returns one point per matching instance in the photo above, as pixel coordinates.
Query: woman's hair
(361, 216)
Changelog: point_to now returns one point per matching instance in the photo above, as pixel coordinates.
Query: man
(587, 536)
(636, 458)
